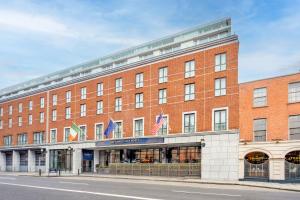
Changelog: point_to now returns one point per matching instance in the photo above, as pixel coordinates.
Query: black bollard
(40, 172)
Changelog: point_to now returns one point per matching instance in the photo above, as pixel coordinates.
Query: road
(89, 188)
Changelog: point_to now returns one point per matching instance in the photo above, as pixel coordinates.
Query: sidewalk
(270, 185)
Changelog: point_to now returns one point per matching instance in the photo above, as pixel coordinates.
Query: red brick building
(270, 128)
(191, 77)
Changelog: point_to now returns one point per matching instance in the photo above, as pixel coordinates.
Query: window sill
(291, 103)
(265, 106)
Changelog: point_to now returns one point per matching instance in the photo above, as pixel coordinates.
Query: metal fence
(168, 169)
(257, 170)
(292, 171)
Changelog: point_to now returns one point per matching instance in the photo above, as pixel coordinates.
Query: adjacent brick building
(191, 77)
(270, 128)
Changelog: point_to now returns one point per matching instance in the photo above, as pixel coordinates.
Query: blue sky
(39, 37)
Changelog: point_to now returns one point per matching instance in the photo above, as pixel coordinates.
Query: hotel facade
(190, 77)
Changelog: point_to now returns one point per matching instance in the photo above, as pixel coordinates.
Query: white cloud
(22, 21)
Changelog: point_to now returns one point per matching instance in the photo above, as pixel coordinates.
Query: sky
(39, 37)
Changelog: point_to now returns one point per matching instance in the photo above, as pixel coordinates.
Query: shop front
(292, 166)
(23, 161)
(8, 161)
(87, 160)
(256, 165)
(60, 159)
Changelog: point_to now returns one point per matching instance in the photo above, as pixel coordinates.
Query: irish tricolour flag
(75, 130)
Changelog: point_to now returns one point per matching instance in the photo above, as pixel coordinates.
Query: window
(220, 120)
(189, 92)
(54, 100)
(19, 121)
(83, 93)
(38, 138)
(99, 107)
(164, 128)
(42, 117)
(22, 139)
(189, 123)
(67, 134)
(294, 92)
(259, 129)
(68, 112)
(220, 62)
(139, 100)
(1, 112)
(30, 105)
(139, 80)
(259, 97)
(7, 140)
(162, 96)
(68, 96)
(82, 133)
(189, 70)
(29, 119)
(163, 75)
(138, 127)
(10, 110)
(118, 130)
(42, 102)
(20, 107)
(1, 124)
(294, 126)
(99, 131)
(220, 87)
(118, 85)
(82, 110)
(9, 122)
(118, 104)
(99, 89)
(54, 115)
(53, 133)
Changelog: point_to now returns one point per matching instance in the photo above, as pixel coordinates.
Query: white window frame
(213, 117)
(118, 104)
(20, 121)
(139, 96)
(68, 115)
(54, 100)
(83, 92)
(218, 91)
(221, 66)
(42, 117)
(99, 109)
(189, 69)
(68, 96)
(139, 80)
(188, 95)
(42, 102)
(54, 115)
(83, 125)
(165, 115)
(30, 105)
(30, 119)
(82, 110)
(253, 131)
(102, 131)
(1, 124)
(68, 127)
(289, 127)
(143, 133)
(257, 97)
(1, 112)
(296, 98)
(10, 123)
(122, 129)
(162, 96)
(163, 74)
(55, 135)
(182, 121)
(10, 109)
(20, 107)
(119, 84)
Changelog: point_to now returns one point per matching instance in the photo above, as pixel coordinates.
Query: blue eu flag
(110, 128)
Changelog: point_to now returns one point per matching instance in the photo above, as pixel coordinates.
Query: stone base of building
(214, 154)
(270, 161)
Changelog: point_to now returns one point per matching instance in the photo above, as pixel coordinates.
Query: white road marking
(8, 178)
(72, 183)
(80, 191)
(206, 193)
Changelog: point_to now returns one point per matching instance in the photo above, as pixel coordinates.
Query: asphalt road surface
(89, 188)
